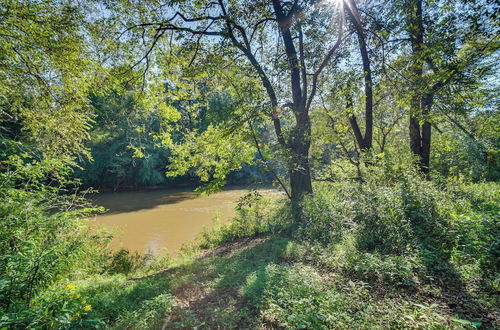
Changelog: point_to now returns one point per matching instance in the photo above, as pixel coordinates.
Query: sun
(335, 3)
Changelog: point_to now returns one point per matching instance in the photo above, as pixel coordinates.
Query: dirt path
(208, 292)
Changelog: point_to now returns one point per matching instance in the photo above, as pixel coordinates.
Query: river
(162, 220)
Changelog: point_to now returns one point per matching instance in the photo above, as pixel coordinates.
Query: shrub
(42, 239)
(255, 215)
(402, 224)
(122, 303)
(387, 215)
(124, 262)
(326, 216)
(62, 307)
(149, 314)
(296, 299)
(396, 271)
(458, 155)
(383, 225)
(476, 226)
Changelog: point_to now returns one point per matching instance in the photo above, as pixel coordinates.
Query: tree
(45, 73)
(124, 142)
(443, 48)
(250, 27)
(364, 141)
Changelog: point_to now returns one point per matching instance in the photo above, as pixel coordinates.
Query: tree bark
(300, 172)
(354, 122)
(421, 103)
(425, 152)
(300, 139)
(364, 142)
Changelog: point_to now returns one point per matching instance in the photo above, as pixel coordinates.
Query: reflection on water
(150, 221)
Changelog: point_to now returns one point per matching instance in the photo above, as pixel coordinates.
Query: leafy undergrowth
(272, 282)
(405, 255)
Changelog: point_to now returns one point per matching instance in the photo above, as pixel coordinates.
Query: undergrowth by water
(402, 254)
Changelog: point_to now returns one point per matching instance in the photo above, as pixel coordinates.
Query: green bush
(382, 224)
(62, 307)
(121, 303)
(255, 215)
(402, 224)
(457, 155)
(326, 216)
(149, 314)
(124, 262)
(296, 298)
(376, 268)
(476, 227)
(42, 237)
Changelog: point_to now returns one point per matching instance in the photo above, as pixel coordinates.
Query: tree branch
(326, 59)
(265, 161)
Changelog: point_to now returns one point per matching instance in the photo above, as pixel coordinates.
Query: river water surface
(159, 220)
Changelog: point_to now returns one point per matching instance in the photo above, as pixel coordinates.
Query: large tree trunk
(300, 139)
(300, 173)
(421, 103)
(420, 138)
(415, 140)
(425, 151)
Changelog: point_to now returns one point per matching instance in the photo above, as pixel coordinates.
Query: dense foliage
(377, 121)
(382, 253)
(122, 144)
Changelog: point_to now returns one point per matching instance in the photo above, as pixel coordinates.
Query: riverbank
(385, 256)
(262, 282)
(264, 271)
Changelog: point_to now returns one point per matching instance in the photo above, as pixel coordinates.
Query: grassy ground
(398, 256)
(274, 282)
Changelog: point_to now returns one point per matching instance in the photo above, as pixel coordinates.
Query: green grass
(267, 282)
(261, 272)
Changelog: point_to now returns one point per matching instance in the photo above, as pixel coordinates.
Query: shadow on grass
(117, 296)
(228, 289)
(221, 289)
(444, 275)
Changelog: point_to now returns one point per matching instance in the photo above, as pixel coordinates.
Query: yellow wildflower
(75, 317)
(87, 308)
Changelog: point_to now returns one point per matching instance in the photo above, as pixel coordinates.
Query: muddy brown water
(162, 221)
